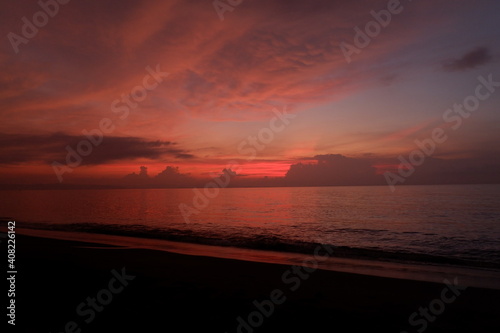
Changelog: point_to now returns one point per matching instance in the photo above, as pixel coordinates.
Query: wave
(490, 259)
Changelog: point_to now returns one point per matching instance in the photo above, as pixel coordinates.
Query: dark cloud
(477, 57)
(336, 169)
(478, 170)
(333, 169)
(22, 148)
(184, 156)
(170, 177)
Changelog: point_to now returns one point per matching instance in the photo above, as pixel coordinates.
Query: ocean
(440, 224)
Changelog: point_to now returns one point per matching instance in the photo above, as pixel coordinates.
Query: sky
(97, 89)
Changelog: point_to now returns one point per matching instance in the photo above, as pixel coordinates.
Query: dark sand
(183, 293)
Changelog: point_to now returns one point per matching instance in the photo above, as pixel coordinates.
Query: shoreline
(202, 293)
(469, 276)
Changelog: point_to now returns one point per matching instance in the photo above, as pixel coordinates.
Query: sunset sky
(225, 78)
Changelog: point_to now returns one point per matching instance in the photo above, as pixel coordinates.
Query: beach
(241, 166)
(72, 286)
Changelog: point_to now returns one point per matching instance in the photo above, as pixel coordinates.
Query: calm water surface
(422, 223)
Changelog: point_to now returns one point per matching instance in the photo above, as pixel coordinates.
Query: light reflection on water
(460, 221)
